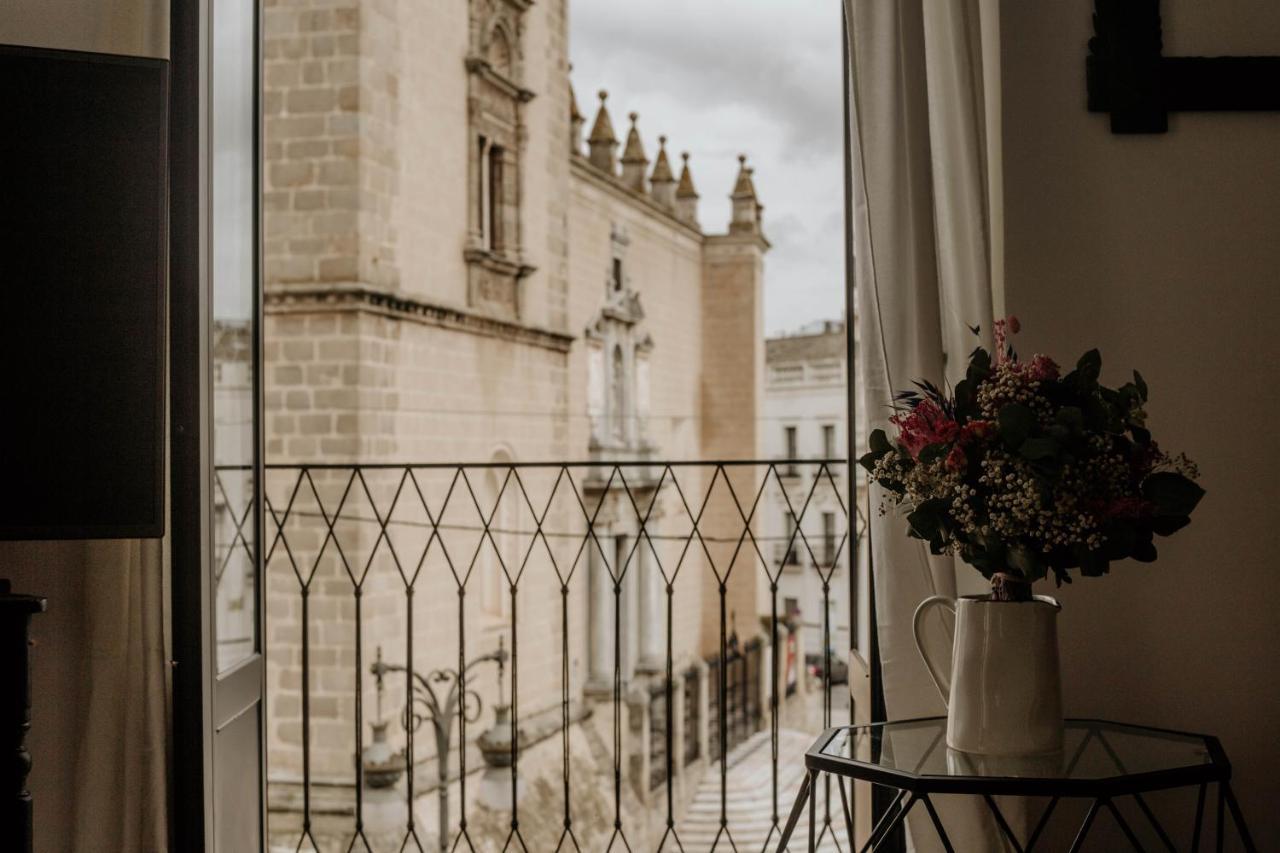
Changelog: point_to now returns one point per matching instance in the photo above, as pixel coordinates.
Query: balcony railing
(598, 625)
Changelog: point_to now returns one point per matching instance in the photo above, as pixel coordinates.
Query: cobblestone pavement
(749, 793)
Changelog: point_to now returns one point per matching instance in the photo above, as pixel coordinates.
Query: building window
(792, 450)
(616, 278)
(480, 196)
(618, 394)
(497, 208)
(828, 539)
(828, 441)
(791, 555)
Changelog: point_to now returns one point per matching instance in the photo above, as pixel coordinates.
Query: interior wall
(126, 27)
(1162, 251)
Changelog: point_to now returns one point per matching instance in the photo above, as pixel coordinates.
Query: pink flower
(924, 425)
(956, 460)
(1003, 328)
(1041, 369)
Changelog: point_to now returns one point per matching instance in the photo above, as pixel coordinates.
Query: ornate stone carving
(495, 107)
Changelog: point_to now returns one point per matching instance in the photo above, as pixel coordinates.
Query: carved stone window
(618, 350)
(496, 104)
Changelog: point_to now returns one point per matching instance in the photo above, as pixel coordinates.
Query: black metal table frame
(914, 788)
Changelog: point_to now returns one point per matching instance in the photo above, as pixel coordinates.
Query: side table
(1101, 761)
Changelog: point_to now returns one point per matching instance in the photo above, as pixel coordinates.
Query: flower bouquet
(1023, 471)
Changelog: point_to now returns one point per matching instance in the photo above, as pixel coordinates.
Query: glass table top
(1092, 750)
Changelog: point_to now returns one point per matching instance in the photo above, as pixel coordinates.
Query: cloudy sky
(723, 77)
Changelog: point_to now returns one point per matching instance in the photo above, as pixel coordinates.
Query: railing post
(637, 745)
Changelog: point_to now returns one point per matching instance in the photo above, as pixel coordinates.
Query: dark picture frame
(84, 247)
(1128, 76)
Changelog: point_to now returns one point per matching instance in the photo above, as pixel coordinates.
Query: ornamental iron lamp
(438, 698)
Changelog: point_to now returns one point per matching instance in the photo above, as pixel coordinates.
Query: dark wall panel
(83, 265)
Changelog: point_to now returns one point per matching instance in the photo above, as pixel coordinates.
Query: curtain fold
(922, 266)
(122, 760)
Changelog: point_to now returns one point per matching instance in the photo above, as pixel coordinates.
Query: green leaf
(928, 519)
(934, 452)
(979, 366)
(1070, 417)
(1090, 365)
(1093, 563)
(1172, 493)
(1016, 421)
(1027, 561)
(878, 441)
(1141, 383)
(1167, 525)
(1038, 448)
(1144, 552)
(964, 397)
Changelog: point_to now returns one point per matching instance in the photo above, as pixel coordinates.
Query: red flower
(976, 431)
(956, 460)
(924, 425)
(1128, 506)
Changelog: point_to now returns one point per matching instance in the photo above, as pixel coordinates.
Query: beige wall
(1163, 251)
(126, 27)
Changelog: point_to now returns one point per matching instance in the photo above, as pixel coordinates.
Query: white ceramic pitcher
(1002, 688)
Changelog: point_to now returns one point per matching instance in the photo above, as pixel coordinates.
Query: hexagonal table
(1100, 761)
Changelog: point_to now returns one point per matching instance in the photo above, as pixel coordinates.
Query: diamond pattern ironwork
(415, 527)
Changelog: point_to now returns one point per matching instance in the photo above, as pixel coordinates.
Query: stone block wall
(329, 104)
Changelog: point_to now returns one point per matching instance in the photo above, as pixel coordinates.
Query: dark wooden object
(15, 716)
(1129, 78)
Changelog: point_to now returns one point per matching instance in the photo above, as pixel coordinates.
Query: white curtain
(922, 224)
(122, 761)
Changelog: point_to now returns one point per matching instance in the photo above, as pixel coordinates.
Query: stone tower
(732, 316)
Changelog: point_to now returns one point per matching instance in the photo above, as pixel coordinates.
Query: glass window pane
(234, 318)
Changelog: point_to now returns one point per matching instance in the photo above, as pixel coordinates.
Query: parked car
(839, 667)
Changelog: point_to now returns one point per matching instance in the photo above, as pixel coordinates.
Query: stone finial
(746, 207)
(634, 162)
(602, 142)
(744, 186)
(576, 121)
(686, 195)
(662, 182)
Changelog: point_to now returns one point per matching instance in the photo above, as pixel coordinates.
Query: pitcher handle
(941, 679)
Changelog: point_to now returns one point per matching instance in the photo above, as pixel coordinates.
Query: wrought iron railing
(604, 581)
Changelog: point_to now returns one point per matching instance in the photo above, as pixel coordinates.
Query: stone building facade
(805, 419)
(453, 274)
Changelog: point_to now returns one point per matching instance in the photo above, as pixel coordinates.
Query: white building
(804, 418)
